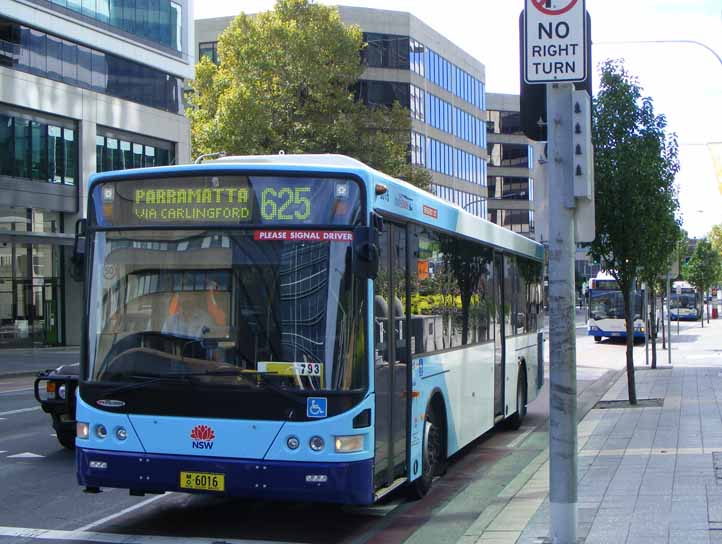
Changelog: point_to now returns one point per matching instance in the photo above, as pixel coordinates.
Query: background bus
(295, 328)
(685, 303)
(606, 309)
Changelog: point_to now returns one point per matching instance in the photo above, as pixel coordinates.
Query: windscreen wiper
(148, 379)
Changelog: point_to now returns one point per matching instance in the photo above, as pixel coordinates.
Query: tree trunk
(704, 304)
(702, 312)
(629, 321)
(653, 323)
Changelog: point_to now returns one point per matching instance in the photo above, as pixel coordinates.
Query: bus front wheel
(597, 338)
(433, 454)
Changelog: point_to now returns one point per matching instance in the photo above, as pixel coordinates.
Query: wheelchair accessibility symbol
(315, 407)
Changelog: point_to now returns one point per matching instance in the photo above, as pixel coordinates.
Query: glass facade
(510, 155)
(30, 281)
(521, 221)
(504, 122)
(208, 50)
(115, 152)
(452, 161)
(446, 117)
(386, 51)
(510, 188)
(33, 148)
(45, 55)
(383, 93)
(159, 21)
(432, 66)
(471, 202)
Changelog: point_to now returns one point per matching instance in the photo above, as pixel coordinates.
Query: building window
(122, 151)
(44, 55)
(159, 21)
(35, 149)
(208, 50)
(383, 93)
(510, 188)
(472, 203)
(521, 221)
(511, 155)
(385, 51)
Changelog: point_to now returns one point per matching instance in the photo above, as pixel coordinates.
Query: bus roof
(401, 199)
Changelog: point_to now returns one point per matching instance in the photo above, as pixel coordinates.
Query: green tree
(715, 238)
(285, 82)
(635, 164)
(704, 269)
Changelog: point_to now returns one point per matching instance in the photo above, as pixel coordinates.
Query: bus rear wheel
(433, 454)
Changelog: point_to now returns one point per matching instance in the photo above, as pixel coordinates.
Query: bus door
(499, 334)
(391, 357)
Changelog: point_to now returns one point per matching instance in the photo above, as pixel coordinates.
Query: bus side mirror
(77, 261)
(366, 252)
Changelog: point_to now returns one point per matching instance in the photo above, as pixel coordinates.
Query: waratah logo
(203, 437)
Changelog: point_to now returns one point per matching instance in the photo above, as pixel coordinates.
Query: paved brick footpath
(646, 474)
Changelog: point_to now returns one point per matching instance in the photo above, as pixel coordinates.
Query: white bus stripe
(112, 538)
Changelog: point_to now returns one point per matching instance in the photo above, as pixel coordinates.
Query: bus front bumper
(346, 483)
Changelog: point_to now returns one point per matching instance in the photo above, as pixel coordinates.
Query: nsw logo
(203, 436)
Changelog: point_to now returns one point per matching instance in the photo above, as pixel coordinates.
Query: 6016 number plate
(205, 481)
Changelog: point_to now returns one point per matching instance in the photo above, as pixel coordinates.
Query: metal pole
(562, 340)
(669, 320)
(646, 324)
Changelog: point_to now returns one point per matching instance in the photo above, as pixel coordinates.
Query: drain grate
(641, 403)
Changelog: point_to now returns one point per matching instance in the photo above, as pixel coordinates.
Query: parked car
(55, 391)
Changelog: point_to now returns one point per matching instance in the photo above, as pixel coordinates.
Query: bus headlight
(82, 429)
(316, 443)
(349, 444)
(121, 434)
(100, 431)
(292, 442)
(61, 391)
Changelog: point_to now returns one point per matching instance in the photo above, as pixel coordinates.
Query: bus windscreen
(226, 200)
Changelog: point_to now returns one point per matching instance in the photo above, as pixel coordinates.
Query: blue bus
(606, 309)
(685, 302)
(294, 327)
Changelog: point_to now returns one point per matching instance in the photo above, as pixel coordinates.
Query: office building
(441, 85)
(511, 166)
(85, 86)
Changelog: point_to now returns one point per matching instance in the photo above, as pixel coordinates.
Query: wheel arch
(437, 401)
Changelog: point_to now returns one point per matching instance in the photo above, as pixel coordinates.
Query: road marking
(16, 390)
(3, 451)
(25, 455)
(19, 411)
(112, 538)
(519, 439)
(111, 517)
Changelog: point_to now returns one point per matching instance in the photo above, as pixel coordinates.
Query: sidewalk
(646, 475)
(21, 362)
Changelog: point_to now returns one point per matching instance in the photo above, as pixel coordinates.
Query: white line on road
(19, 411)
(112, 538)
(111, 517)
(519, 439)
(16, 390)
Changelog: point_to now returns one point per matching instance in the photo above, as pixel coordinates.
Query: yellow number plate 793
(204, 481)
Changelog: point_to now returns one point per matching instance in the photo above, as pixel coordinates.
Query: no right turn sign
(555, 41)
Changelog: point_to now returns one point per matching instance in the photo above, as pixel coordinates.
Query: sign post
(555, 53)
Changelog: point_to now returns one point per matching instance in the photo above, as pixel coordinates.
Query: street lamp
(690, 42)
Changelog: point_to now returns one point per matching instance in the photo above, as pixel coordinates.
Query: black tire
(517, 418)
(597, 338)
(434, 456)
(66, 439)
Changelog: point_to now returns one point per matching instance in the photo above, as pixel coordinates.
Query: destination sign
(232, 200)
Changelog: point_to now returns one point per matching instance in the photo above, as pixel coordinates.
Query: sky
(684, 80)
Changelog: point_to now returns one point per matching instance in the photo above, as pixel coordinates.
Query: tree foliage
(285, 82)
(715, 238)
(636, 198)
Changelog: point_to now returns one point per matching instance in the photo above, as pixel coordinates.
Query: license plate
(204, 481)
